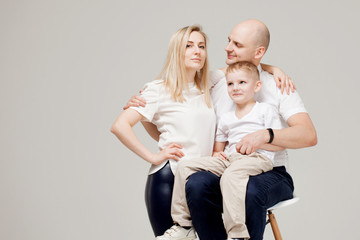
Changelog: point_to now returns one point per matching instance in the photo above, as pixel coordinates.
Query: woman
(180, 96)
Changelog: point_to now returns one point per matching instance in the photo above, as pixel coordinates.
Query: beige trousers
(234, 173)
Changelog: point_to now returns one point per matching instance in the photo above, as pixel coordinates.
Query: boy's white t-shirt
(190, 124)
(287, 105)
(231, 129)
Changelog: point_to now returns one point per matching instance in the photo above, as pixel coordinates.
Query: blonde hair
(245, 66)
(174, 72)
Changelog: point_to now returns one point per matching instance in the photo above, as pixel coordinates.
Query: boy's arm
(218, 150)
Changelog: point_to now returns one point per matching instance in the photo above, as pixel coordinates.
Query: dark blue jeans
(204, 199)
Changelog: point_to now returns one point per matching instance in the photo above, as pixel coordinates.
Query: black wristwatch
(271, 133)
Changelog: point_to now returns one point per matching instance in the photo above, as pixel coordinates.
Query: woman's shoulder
(154, 85)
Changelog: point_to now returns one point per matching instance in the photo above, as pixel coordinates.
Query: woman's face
(195, 53)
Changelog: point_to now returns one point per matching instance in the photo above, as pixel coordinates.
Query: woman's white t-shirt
(190, 124)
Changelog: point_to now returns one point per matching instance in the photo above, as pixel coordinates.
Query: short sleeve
(151, 94)
(215, 77)
(221, 131)
(272, 117)
(290, 104)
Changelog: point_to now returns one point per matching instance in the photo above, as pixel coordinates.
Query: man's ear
(257, 86)
(260, 51)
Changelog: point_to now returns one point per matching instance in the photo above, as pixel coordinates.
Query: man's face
(240, 46)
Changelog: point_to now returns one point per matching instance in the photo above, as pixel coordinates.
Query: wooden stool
(272, 219)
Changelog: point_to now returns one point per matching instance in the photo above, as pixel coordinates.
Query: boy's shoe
(178, 233)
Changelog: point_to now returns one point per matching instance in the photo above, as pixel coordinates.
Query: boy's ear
(258, 86)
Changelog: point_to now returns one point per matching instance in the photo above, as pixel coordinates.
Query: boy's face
(242, 86)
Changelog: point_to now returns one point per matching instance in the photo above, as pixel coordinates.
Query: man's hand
(135, 101)
(220, 155)
(172, 151)
(252, 142)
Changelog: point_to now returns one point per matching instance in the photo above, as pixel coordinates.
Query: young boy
(226, 162)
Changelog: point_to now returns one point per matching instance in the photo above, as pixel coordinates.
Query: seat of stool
(284, 203)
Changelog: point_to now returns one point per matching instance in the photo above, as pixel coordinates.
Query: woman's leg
(158, 194)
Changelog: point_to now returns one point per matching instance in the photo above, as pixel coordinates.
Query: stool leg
(274, 226)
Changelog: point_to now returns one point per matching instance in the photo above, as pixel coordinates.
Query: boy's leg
(233, 187)
(179, 208)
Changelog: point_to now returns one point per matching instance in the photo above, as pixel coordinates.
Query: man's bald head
(256, 31)
(248, 41)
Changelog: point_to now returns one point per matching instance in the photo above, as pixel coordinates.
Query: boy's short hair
(246, 66)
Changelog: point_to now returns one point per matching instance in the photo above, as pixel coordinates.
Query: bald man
(248, 41)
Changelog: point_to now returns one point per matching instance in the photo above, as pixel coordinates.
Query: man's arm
(272, 147)
(301, 133)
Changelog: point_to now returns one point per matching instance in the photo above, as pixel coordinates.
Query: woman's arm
(122, 129)
(282, 80)
(152, 130)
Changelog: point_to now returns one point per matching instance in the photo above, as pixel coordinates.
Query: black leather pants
(158, 194)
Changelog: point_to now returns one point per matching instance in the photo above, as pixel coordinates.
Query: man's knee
(255, 196)
(201, 183)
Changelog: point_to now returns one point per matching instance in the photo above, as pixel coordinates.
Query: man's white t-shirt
(190, 124)
(287, 105)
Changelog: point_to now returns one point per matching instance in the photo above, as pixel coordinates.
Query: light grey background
(68, 67)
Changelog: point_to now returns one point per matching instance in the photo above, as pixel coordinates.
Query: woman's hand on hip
(172, 151)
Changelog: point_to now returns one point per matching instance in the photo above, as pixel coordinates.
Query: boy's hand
(220, 155)
(135, 101)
